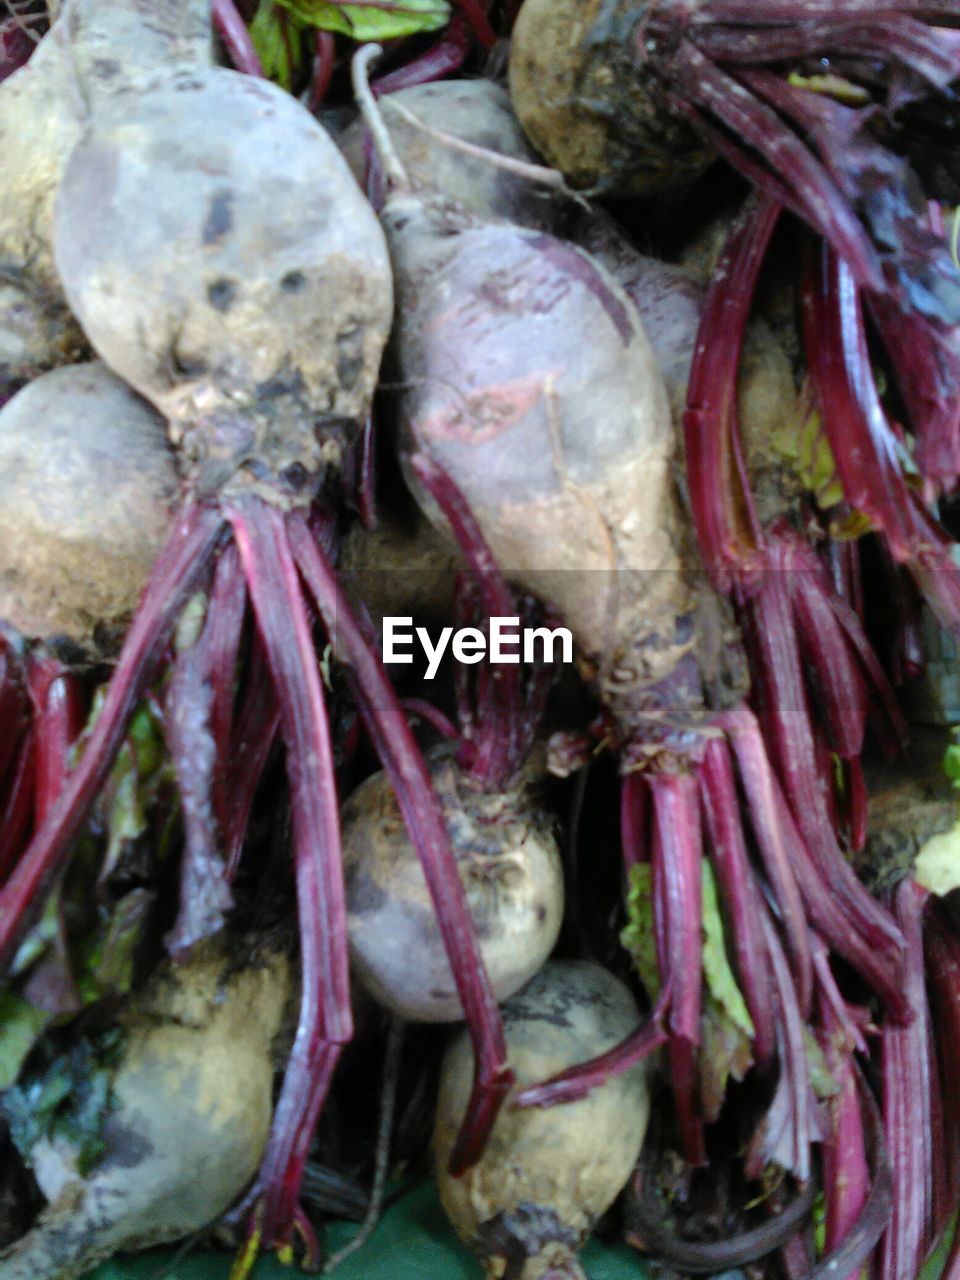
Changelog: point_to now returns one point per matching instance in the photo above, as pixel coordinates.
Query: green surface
(413, 1242)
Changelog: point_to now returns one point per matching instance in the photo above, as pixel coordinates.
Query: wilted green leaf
(39, 938)
(108, 962)
(638, 936)
(69, 1098)
(716, 967)
(23, 1024)
(373, 20)
(823, 1083)
(725, 1051)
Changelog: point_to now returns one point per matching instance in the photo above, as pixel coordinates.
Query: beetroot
(565, 454)
(99, 50)
(237, 278)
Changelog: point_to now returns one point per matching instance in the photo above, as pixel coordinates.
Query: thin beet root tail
(404, 764)
(325, 1022)
(906, 1106)
(179, 569)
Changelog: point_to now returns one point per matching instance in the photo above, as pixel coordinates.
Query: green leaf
(638, 936)
(951, 762)
(373, 20)
(716, 967)
(277, 38)
(23, 1024)
(725, 1051)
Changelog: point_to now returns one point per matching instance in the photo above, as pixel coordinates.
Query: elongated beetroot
(565, 453)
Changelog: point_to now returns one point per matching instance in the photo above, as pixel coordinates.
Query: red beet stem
(726, 521)
(728, 853)
(846, 1173)
(865, 450)
(255, 733)
(325, 1022)
(14, 705)
(942, 948)
(444, 58)
(178, 570)
(576, 1082)
(759, 786)
(927, 369)
(849, 1257)
(17, 811)
(840, 688)
(404, 764)
(197, 729)
(677, 878)
(892, 36)
(782, 698)
(776, 12)
(783, 154)
(475, 15)
(324, 61)
(906, 1107)
(840, 1017)
(58, 719)
(232, 30)
(499, 735)
(790, 1125)
(217, 656)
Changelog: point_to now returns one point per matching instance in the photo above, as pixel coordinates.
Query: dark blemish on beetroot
(569, 259)
(219, 218)
(221, 294)
(349, 356)
(364, 895)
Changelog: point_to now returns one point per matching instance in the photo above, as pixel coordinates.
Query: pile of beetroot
(641, 320)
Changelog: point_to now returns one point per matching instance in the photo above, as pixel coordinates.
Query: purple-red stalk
(906, 1106)
(232, 30)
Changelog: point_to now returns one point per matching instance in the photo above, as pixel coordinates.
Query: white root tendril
(397, 175)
